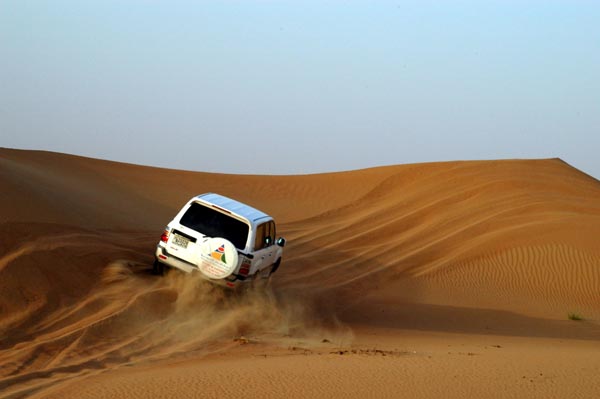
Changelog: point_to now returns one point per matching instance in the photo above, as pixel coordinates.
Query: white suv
(227, 241)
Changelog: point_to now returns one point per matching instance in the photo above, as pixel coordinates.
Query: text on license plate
(180, 241)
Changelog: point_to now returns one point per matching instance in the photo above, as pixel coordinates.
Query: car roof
(240, 209)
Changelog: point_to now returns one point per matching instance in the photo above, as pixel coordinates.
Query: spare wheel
(218, 258)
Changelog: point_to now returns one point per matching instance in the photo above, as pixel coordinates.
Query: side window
(259, 240)
(270, 233)
(265, 235)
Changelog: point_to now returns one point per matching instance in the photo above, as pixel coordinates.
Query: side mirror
(281, 242)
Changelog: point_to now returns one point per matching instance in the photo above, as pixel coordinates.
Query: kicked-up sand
(453, 280)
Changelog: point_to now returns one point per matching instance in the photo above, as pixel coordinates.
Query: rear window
(213, 223)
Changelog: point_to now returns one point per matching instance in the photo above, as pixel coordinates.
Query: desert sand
(451, 279)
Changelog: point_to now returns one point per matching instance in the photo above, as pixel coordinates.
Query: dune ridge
(513, 242)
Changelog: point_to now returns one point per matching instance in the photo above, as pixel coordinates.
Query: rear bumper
(164, 257)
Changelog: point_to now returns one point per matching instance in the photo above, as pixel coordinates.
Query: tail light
(245, 267)
(165, 236)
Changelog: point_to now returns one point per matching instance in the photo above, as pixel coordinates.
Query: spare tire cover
(218, 258)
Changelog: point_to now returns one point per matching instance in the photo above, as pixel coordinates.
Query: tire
(158, 268)
(275, 267)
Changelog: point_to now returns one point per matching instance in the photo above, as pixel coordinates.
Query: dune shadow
(463, 320)
(343, 286)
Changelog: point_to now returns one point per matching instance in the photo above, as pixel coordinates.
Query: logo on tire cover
(219, 254)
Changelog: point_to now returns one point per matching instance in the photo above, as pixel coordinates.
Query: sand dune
(448, 278)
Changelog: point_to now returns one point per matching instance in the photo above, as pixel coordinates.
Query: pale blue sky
(302, 86)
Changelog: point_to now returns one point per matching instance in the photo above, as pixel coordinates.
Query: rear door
(199, 221)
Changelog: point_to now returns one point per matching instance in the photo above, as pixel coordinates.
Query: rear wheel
(158, 268)
(275, 267)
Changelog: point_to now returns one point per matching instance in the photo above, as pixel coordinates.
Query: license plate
(180, 241)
